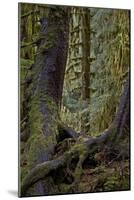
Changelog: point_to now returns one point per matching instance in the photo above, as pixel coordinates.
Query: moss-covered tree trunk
(47, 85)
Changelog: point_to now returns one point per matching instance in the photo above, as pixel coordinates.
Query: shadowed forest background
(74, 99)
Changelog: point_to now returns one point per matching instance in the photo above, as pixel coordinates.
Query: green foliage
(111, 66)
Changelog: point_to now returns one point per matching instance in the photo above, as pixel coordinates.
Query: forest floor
(106, 177)
(102, 178)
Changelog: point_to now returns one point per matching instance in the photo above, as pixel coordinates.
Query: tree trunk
(86, 55)
(85, 94)
(47, 85)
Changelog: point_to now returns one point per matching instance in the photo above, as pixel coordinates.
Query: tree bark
(86, 55)
(85, 93)
(47, 86)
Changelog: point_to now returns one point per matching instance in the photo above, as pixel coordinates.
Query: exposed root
(79, 151)
(65, 132)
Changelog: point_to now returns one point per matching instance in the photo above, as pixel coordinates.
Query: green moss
(36, 117)
(64, 188)
(50, 40)
(25, 62)
(78, 173)
(38, 143)
(80, 147)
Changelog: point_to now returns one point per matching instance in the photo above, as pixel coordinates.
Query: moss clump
(78, 173)
(39, 143)
(65, 188)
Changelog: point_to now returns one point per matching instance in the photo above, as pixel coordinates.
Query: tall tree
(47, 85)
(86, 54)
(78, 66)
(85, 94)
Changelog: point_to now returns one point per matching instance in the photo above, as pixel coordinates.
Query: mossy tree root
(80, 151)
